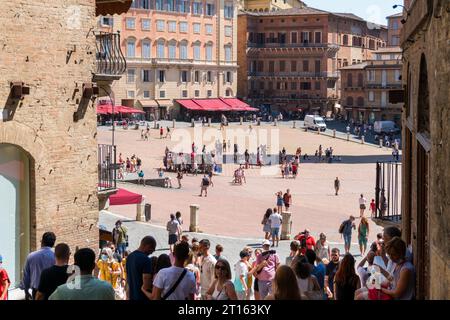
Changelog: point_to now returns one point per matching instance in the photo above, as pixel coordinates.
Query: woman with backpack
(204, 186)
(179, 177)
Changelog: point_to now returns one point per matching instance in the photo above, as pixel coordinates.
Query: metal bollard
(275, 122)
(381, 143)
(209, 122)
(192, 123)
(240, 120)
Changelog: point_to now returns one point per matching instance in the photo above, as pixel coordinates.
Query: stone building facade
(293, 56)
(48, 147)
(269, 5)
(426, 144)
(176, 50)
(366, 86)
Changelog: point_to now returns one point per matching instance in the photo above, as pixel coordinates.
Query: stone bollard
(318, 130)
(192, 123)
(155, 126)
(348, 136)
(381, 143)
(258, 122)
(275, 122)
(173, 123)
(334, 133)
(140, 210)
(193, 227)
(286, 226)
(209, 122)
(362, 139)
(240, 120)
(293, 127)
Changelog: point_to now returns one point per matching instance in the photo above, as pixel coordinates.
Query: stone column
(240, 120)
(334, 133)
(209, 122)
(258, 122)
(193, 227)
(140, 210)
(275, 122)
(155, 127)
(173, 123)
(286, 226)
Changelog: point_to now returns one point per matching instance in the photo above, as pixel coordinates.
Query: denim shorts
(347, 238)
(275, 232)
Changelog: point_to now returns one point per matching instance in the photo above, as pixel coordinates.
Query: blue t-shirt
(319, 273)
(138, 263)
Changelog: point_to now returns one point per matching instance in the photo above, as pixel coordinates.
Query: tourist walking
(176, 282)
(275, 225)
(346, 282)
(268, 262)
(307, 283)
(346, 230)
(253, 273)
(208, 263)
(287, 199)
(5, 282)
(219, 250)
(337, 185)
(222, 287)
(174, 229)
(204, 186)
(120, 237)
(35, 263)
(224, 146)
(88, 287)
(284, 285)
(161, 132)
(306, 240)
(139, 270)
(56, 275)
(241, 276)
(179, 218)
(362, 205)
(323, 250)
(331, 270)
(372, 208)
(110, 271)
(280, 201)
(363, 235)
(179, 177)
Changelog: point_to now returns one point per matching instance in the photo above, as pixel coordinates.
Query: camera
(265, 253)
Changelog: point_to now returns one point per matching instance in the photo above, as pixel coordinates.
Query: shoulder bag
(175, 285)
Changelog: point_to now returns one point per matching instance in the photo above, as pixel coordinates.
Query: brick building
(292, 59)
(48, 147)
(269, 5)
(366, 86)
(176, 50)
(426, 144)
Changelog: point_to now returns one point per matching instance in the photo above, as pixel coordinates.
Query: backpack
(342, 227)
(205, 181)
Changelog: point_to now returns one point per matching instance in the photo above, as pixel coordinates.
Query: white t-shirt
(166, 278)
(362, 200)
(207, 273)
(275, 220)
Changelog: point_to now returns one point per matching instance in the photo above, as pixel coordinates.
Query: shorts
(362, 206)
(347, 238)
(173, 238)
(280, 203)
(204, 188)
(255, 285)
(287, 205)
(362, 241)
(275, 232)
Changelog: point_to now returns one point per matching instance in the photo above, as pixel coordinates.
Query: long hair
(286, 287)
(227, 267)
(268, 213)
(365, 222)
(346, 271)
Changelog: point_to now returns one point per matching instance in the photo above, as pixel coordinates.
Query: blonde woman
(363, 235)
(110, 271)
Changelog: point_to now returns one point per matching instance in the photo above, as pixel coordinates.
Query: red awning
(124, 109)
(238, 105)
(108, 109)
(189, 104)
(212, 104)
(122, 197)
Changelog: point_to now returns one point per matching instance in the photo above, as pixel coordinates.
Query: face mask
(104, 257)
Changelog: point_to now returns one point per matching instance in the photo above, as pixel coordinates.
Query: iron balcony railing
(323, 74)
(106, 167)
(388, 191)
(109, 56)
(291, 45)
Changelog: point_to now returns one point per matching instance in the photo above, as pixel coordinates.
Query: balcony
(324, 74)
(384, 85)
(291, 45)
(106, 168)
(110, 61)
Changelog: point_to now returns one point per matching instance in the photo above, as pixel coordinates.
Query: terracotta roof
(400, 14)
(348, 15)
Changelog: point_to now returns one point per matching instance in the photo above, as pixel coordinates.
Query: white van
(385, 127)
(315, 122)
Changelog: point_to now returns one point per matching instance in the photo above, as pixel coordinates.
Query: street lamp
(395, 6)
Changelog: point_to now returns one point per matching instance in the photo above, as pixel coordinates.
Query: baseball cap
(266, 243)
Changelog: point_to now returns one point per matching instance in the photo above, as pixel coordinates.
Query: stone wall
(49, 45)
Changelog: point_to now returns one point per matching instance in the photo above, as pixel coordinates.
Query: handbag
(377, 294)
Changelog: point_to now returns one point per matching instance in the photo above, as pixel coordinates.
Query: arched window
(360, 101)
(196, 50)
(349, 80)
(146, 49)
(160, 49)
(349, 101)
(183, 50)
(209, 51)
(360, 80)
(172, 49)
(131, 47)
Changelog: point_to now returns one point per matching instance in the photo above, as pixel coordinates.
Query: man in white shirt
(207, 267)
(176, 282)
(362, 205)
(275, 224)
